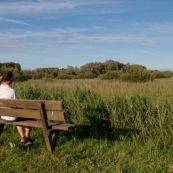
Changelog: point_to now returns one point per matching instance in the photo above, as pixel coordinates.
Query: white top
(6, 92)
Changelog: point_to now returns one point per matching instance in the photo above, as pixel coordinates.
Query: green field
(123, 128)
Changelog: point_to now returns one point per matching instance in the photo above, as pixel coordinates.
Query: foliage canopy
(108, 70)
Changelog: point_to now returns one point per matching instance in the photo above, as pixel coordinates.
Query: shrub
(65, 76)
(159, 74)
(135, 73)
(87, 75)
(111, 75)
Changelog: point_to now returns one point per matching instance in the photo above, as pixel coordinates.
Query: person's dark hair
(6, 76)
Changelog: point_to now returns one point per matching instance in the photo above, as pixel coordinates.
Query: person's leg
(1, 128)
(27, 132)
(21, 131)
(25, 135)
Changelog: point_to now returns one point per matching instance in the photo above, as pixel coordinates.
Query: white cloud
(112, 39)
(14, 21)
(160, 32)
(42, 6)
(71, 35)
(35, 40)
(33, 7)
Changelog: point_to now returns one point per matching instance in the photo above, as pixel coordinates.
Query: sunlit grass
(138, 138)
(154, 88)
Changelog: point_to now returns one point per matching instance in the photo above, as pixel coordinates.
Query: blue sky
(62, 33)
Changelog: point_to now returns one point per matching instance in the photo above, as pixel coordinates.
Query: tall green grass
(123, 127)
(135, 110)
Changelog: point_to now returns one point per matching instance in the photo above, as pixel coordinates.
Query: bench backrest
(53, 110)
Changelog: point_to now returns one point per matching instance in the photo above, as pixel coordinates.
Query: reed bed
(130, 105)
(103, 87)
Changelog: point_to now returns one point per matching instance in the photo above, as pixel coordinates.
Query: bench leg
(48, 141)
(54, 138)
(51, 139)
(1, 128)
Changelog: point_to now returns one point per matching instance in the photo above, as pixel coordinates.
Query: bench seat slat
(30, 123)
(63, 126)
(32, 104)
(31, 113)
(25, 113)
(15, 103)
(38, 124)
(55, 115)
(53, 105)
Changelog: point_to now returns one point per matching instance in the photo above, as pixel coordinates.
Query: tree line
(108, 70)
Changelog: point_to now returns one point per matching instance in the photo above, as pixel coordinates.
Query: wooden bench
(46, 114)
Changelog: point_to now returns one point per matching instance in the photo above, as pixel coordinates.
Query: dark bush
(111, 75)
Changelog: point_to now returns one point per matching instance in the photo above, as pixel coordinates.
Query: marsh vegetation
(123, 127)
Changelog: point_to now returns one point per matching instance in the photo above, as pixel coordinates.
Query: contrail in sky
(14, 21)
